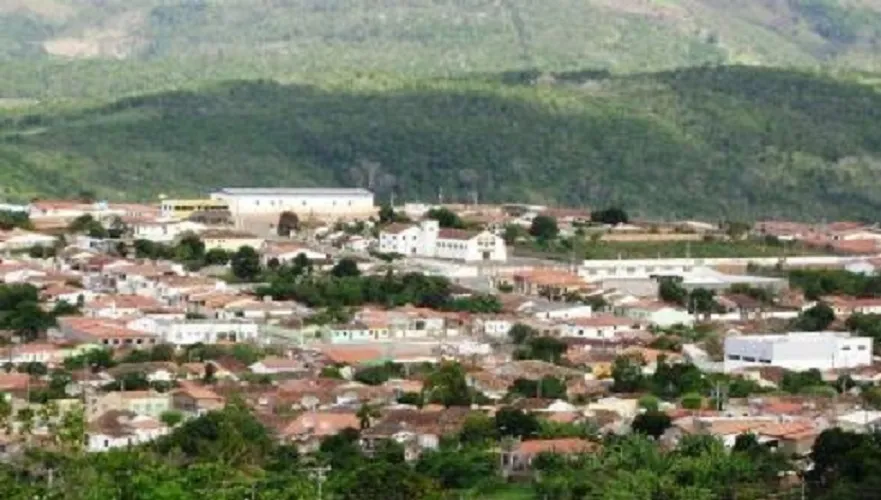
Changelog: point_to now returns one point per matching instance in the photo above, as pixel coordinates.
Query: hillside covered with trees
(729, 141)
(442, 37)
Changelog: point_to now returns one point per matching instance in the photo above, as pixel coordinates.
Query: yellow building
(181, 209)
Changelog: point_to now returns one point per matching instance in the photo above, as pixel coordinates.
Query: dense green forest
(729, 141)
(443, 37)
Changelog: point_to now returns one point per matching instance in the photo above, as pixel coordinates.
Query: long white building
(798, 351)
(427, 239)
(342, 202)
(205, 331)
(600, 269)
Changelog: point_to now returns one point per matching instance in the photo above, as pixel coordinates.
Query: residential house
(19, 239)
(54, 294)
(357, 332)
(740, 307)
(267, 309)
(791, 436)
(286, 252)
(275, 365)
(553, 284)
(845, 306)
(103, 332)
(35, 352)
(197, 331)
(416, 430)
(164, 231)
(496, 326)
(59, 209)
(150, 403)
(230, 240)
(196, 399)
(546, 310)
(519, 458)
(119, 306)
(120, 429)
(655, 313)
(308, 429)
(156, 371)
(598, 327)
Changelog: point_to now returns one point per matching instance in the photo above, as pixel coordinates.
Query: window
(766, 361)
(861, 348)
(749, 359)
(845, 348)
(734, 357)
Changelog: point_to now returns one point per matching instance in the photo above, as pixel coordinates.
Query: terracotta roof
(112, 423)
(603, 320)
(856, 246)
(320, 424)
(100, 328)
(45, 205)
(397, 228)
(740, 300)
(12, 381)
(197, 391)
(227, 234)
(277, 363)
(456, 234)
(852, 302)
(550, 277)
(563, 446)
(428, 420)
(123, 302)
(354, 355)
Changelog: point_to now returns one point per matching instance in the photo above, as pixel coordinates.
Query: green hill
(274, 38)
(728, 142)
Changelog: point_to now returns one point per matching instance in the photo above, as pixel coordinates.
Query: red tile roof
(564, 446)
(396, 228)
(456, 234)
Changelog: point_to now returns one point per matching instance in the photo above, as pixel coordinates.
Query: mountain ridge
(444, 37)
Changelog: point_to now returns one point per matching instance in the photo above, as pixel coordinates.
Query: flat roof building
(319, 202)
(798, 351)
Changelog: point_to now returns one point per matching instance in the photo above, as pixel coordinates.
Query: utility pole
(319, 474)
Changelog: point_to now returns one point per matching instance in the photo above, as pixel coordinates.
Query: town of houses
(190, 338)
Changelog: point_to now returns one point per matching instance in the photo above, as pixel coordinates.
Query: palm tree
(365, 415)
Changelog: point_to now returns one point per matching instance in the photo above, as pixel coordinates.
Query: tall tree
(544, 228)
(245, 263)
(612, 216)
(366, 414)
(445, 217)
(288, 222)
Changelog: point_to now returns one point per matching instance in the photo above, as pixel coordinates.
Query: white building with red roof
(428, 239)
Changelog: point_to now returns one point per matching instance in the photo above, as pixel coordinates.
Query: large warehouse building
(798, 351)
(317, 202)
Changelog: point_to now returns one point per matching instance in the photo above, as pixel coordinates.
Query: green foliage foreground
(736, 142)
(229, 454)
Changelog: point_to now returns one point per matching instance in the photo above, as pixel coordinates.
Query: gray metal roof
(294, 191)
